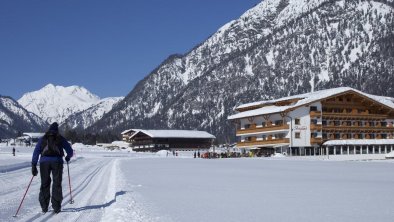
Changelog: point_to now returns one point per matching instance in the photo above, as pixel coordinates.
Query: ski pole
(69, 184)
(20, 205)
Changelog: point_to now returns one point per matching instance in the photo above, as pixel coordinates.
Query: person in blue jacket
(50, 148)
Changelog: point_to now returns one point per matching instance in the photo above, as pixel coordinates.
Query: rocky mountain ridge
(14, 119)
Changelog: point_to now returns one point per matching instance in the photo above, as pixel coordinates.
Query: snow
(270, 57)
(92, 114)
(260, 111)
(390, 155)
(34, 135)
(56, 103)
(123, 186)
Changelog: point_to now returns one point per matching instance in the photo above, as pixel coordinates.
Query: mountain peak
(56, 103)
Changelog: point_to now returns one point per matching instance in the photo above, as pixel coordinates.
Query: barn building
(174, 140)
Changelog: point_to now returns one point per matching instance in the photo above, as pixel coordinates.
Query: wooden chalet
(179, 140)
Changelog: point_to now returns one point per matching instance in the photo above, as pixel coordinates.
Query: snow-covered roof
(304, 99)
(359, 142)
(259, 111)
(126, 131)
(34, 135)
(176, 134)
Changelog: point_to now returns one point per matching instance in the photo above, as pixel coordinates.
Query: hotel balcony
(358, 128)
(254, 129)
(348, 115)
(316, 140)
(317, 127)
(257, 143)
(343, 127)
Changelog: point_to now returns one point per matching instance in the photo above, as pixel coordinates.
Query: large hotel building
(339, 121)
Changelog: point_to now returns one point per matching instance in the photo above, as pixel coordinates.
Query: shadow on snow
(93, 207)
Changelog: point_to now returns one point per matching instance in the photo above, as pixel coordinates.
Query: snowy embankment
(125, 186)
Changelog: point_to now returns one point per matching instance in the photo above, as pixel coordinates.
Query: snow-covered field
(125, 186)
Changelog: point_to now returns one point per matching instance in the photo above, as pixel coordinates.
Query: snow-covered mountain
(278, 48)
(57, 103)
(14, 119)
(85, 118)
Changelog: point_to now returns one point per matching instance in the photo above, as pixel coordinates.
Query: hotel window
(337, 123)
(263, 124)
(247, 126)
(324, 122)
(371, 123)
(349, 136)
(297, 121)
(297, 135)
(313, 108)
(264, 137)
(314, 121)
(313, 135)
(278, 122)
(325, 136)
(337, 136)
(384, 136)
(372, 136)
(384, 124)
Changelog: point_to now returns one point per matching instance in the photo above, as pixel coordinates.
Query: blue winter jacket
(37, 152)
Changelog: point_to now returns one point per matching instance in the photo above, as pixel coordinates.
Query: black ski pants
(46, 168)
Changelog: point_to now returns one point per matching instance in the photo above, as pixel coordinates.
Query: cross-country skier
(50, 147)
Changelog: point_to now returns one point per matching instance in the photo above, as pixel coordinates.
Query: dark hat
(54, 127)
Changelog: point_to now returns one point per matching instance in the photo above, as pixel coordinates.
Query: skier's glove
(34, 170)
(67, 159)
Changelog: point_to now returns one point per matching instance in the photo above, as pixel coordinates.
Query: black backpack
(51, 145)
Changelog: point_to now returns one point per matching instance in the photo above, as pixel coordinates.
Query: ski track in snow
(94, 189)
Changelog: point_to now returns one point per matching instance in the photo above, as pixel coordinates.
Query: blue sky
(105, 46)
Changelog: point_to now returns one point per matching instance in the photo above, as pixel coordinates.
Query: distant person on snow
(13, 151)
(50, 147)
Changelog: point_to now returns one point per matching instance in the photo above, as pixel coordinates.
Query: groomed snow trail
(92, 181)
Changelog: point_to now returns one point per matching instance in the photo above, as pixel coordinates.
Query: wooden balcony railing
(316, 140)
(358, 128)
(316, 127)
(263, 129)
(315, 113)
(348, 115)
(343, 127)
(263, 142)
(361, 116)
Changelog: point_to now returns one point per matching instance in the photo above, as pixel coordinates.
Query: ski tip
(15, 215)
(71, 201)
